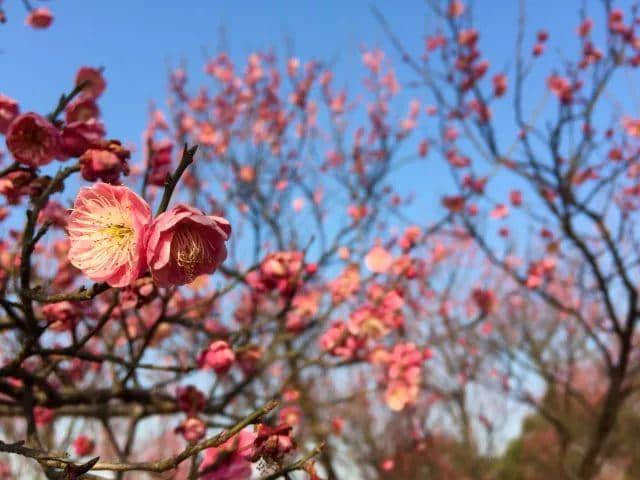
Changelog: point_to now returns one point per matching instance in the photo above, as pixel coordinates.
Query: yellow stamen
(121, 235)
(189, 250)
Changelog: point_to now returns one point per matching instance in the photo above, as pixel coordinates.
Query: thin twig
(297, 465)
(186, 160)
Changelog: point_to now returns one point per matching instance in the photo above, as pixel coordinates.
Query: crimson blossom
(33, 140)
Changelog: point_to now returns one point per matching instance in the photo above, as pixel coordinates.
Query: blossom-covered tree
(250, 294)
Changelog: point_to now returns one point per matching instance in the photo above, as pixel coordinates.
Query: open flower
(184, 243)
(33, 140)
(106, 231)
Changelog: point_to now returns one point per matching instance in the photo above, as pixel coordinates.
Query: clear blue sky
(137, 40)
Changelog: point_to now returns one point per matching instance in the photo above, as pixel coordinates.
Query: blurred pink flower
(218, 356)
(94, 82)
(9, 110)
(229, 461)
(388, 465)
(33, 140)
(77, 137)
(43, 416)
(190, 399)
(103, 164)
(39, 18)
(378, 260)
(61, 315)
(192, 429)
(83, 445)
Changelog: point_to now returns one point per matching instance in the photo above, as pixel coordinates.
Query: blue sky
(136, 41)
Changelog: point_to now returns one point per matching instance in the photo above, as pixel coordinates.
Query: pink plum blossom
(184, 243)
(106, 230)
(33, 140)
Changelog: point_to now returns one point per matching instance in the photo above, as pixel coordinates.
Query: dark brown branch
(186, 160)
(59, 461)
(65, 100)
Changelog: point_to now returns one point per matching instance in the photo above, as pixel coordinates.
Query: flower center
(189, 250)
(118, 235)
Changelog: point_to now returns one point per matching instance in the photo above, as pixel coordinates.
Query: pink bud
(8, 111)
(83, 445)
(39, 18)
(219, 356)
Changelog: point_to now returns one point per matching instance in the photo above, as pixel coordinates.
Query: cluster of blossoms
(379, 316)
(232, 460)
(281, 271)
(278, 284)
(346, 284)
(403, 373)
(112, 235)
(372, 320)
(114, 239)
(35, 141)
(304, 307)
(299, 310)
